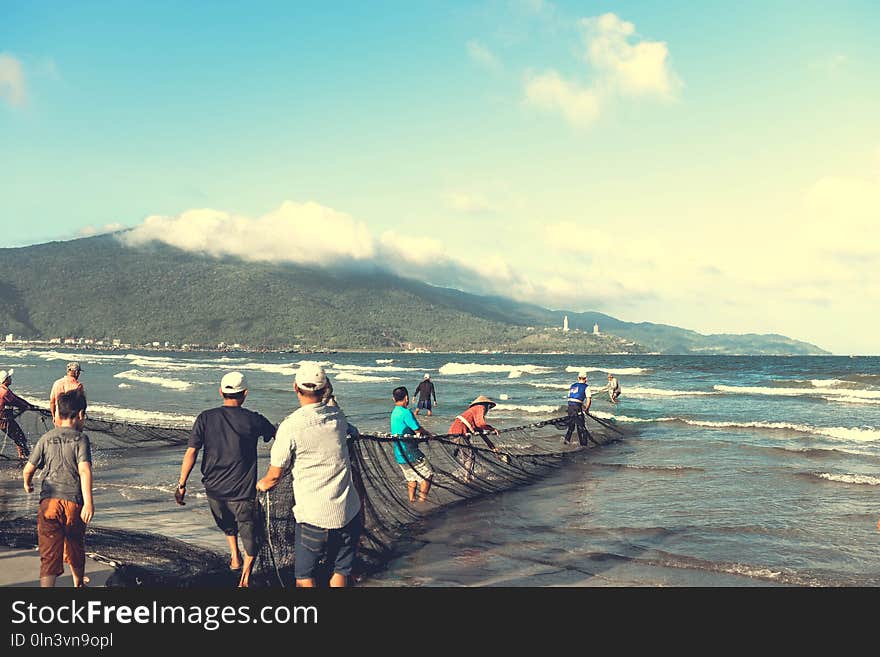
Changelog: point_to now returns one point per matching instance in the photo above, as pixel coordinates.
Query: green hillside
(96, 287)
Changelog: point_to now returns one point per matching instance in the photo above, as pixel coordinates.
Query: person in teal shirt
(414, 464)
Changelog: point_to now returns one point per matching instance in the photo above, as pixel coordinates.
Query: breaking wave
(849, 478)
(113, 413)
(141, 377)
(630, 371)
(478, 368)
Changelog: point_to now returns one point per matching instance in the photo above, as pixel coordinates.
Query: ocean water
(742, 471)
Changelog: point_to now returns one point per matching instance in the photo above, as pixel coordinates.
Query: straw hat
(482, 399)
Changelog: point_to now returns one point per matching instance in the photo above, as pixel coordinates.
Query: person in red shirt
(9, 401)
(472, 421)
(65, 384)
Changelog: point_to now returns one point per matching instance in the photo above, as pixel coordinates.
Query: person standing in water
(66, 383)
(425, 391)
(9, 401)
(613, 388)
(415, 465)
(579, 400)
(472, 421)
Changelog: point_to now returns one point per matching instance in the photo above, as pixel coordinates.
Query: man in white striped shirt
(313, 441)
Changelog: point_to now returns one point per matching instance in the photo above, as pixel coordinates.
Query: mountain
(96, 287)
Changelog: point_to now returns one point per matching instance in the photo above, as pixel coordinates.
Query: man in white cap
(425, 391)
(579, 400)
(229, 435)
(66, 383)
(9, 401)
(313, 442)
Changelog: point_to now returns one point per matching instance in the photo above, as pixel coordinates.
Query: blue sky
(715, 167)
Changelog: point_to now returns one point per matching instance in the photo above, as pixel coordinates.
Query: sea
(735, 471)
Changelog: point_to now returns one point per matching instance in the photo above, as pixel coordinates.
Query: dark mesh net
(464, 468)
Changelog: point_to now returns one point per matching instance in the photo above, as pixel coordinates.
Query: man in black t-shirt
(229, 437)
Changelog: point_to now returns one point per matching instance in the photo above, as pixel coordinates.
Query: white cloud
(306, 233)
(88, 231)
(550, 91)
(482, 56)
(12, 86)
(640, 69)
(616, 67)
(468, 203)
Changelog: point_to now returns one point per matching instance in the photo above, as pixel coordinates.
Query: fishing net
(464, 468)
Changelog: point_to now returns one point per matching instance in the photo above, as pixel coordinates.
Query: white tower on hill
(596, 329)
(565, 323)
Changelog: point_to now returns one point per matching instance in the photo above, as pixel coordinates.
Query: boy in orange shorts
(65, 456)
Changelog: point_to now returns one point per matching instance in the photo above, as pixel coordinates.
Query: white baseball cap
(582, 374)
(310, 376)
(232, 383)
(427, 376)
(5, 374)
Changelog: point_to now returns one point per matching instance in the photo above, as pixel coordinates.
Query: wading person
(313, 442)
(228, 436)
(579, 400)
(470, 422)
(425, 392)
(64, 455)
(612, 388)
(415, 465)
(9, 401)
(66, 383)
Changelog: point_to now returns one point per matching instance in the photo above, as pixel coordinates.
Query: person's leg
(424, 487)
(411, 489)
(50, 536)
(344, 549)
(309, 545)
(224, 518)
(582, 430)
(245, 517)
(21, 444)
(572, 418)
(75, 542)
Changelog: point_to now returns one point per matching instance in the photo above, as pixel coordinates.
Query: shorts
(237, 517)
(418, 471)
(337, 546)
(426, 404)
(61, 534)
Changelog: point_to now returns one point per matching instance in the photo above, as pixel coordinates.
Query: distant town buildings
(10, 338)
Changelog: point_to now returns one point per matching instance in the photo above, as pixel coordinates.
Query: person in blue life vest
(579, 400)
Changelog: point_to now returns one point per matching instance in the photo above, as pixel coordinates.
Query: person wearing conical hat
(8, 402)
(472, 421)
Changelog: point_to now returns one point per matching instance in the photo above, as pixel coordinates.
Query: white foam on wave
(551, 386)
(850, 478)
(526, 408)
(631, 371)
(363, 378)
(373, 368)
(637, 391)
(826, 392)
(625, 418)
(283, 369)
(139, 416)
(165, 382)
(858, 434)
(382, 361)
(515, 374)
(479, 368)
(124, 385)
(826, 383)
(844, 399)
(84, 358)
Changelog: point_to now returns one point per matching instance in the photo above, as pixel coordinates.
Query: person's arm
(85, 478)
(186, 466)
(413, 424)
(14, 400)
(587, 401)
(27, 475)
(269, 430)
(52, 396)
(280, 458)
(434, 393)
(273, 476)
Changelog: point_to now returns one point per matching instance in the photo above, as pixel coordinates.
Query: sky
(714, 166)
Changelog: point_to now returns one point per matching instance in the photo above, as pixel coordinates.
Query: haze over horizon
(709, 167)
